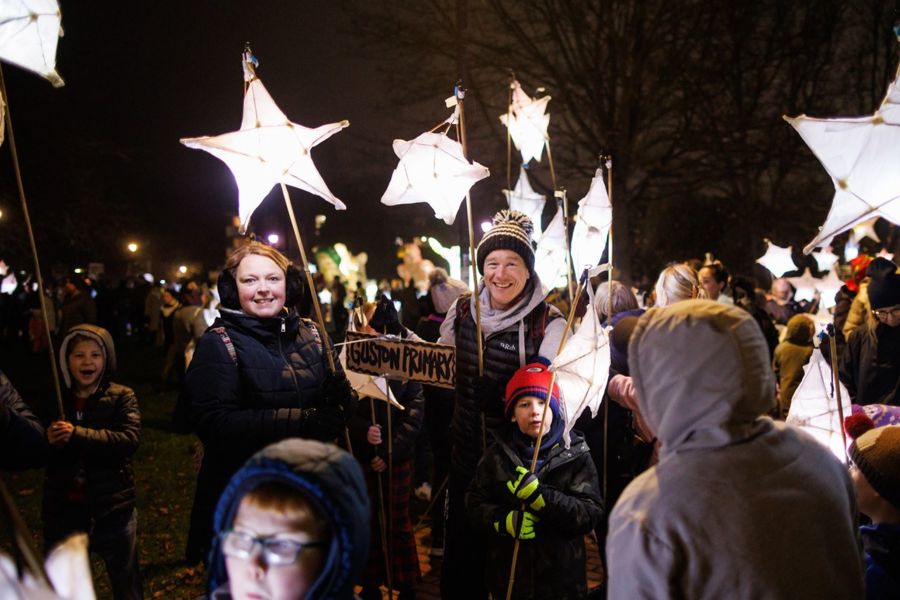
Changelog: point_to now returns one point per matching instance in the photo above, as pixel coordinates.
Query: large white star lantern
(432, 169)
(527, 123)
(29, 31)
(267, 150)
(777, 260)
(524, 199)
(550, 256)
(825, 259)
(592, 223)
(861, 154)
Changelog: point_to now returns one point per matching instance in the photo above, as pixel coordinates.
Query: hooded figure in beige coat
(739, 506)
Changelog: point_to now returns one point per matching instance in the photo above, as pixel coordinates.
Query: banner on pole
(432, 364)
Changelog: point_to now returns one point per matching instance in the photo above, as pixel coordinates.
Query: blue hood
(332, 480)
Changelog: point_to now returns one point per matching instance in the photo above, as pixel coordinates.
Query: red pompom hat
(531, 380)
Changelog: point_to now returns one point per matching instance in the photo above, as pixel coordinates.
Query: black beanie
(511, 231)
(884, 283)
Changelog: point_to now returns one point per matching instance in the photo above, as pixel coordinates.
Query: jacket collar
(264, 329)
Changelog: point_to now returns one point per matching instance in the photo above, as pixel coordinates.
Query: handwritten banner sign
(432, 364)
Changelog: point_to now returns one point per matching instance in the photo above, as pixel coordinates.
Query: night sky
(139, 76)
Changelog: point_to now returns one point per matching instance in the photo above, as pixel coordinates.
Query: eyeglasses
(276, 551)
(884, 313)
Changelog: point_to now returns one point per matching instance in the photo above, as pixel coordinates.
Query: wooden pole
(537, 442)
(34, 254)
(382, 522)
(461, 129)
(25, 554)
(609, 316)
(508, 134)
(309, 280)
(832, 344)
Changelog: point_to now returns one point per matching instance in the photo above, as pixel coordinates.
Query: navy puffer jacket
(332, 481)
(242, 398)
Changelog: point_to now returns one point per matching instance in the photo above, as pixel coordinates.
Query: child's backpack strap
(229, 345)
(314, 328)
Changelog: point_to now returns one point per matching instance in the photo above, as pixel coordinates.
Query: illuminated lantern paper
(432, 169)
(29, 32)
(777, 260)
(67, 567)
(450, 254)
(865, 229)
(529, 122)
(861, 155)
(9, 284)
(267, 150)
(806, 286)
(825, 259)
(828, 288)
(814, 405)
(592, 223)
(582, 369)
(524, 199)
(550, 256)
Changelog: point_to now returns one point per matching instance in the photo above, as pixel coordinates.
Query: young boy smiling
(550, 510)
(89, 483)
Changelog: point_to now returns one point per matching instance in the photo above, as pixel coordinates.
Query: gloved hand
(518, 523)
(336, 392)
(385, 318)
(488, 395)
(324, 423)
(527, 488)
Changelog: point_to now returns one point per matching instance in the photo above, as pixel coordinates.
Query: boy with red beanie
(549, 510)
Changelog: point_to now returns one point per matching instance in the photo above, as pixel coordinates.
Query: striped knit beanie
(511, 230)
(877, 454)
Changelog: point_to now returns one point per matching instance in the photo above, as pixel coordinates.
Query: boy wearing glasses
(292, 524)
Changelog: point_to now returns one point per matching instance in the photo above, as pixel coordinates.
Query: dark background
(687, 96)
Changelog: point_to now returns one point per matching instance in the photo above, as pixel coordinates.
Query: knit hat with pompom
(511, 230)
(876, 453)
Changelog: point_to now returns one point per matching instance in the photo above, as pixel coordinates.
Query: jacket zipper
(288, 364)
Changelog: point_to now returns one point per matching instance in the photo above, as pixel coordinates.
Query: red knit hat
(531, 380)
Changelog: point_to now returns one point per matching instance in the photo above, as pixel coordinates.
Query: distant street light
(485, 226)
(273, 238)
(182, 269)
(132, 247)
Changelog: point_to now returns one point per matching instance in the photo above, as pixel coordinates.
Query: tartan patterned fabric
(405, 560)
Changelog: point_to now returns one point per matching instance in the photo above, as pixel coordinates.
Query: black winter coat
(405, 424)
(239, 404)
(23, 443)
(552, 565)
(870, 365)
(107, 433)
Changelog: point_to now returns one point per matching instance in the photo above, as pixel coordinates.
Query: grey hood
(99, 335)
(701, 375)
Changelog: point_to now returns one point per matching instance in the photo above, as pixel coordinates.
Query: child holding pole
(549, 510)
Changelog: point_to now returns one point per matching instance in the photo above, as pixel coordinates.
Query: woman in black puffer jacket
(259, 375)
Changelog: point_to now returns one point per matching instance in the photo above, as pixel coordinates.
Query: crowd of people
(690, 480)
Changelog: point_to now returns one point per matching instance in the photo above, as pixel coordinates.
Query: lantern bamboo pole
(537, 442)
(565, 208)
(508, 134)
(609, 316)
(461, 131)
(382, 522)
(832, 344)
(309, 280)
(34, 253)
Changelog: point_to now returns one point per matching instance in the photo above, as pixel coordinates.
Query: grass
(165, 475)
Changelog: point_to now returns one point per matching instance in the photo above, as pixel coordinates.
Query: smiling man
(516, 325)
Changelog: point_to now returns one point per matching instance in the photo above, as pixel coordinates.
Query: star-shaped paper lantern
(432, 169)
(592, 223)
(550, 256)
(806, 286)
(524, 199)
(866, 229)
(825, 259)
(29, 31)
(861, 155)
(777, 260)
(828, 288)
(814, 405)
(582, 369)
(267, 150)
(529, 122)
